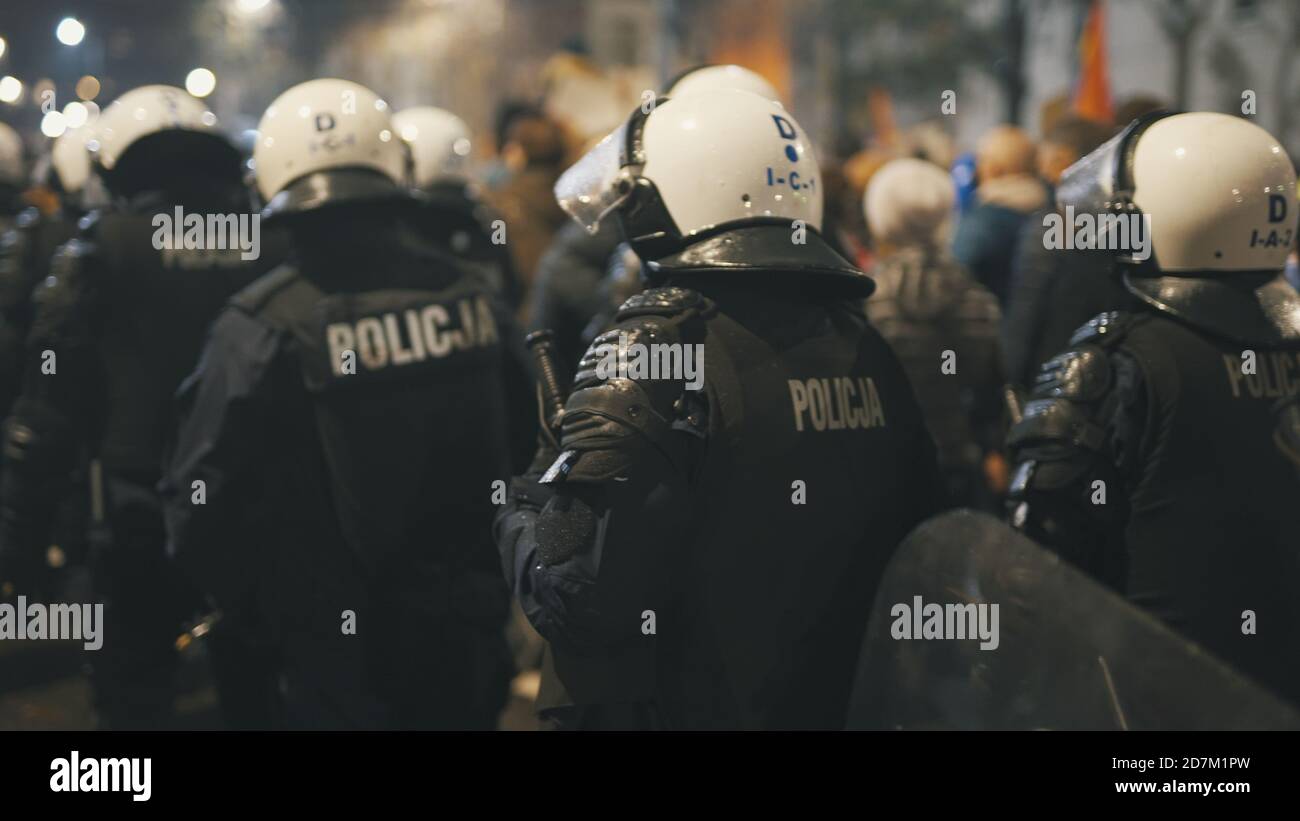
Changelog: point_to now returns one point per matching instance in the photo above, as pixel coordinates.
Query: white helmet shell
(723, 155)
(144, 111)
(1217, 193)
(71, 158)
(11, 156)
(715, 157)
(439, 140)
(326, 125)
(709, 181)
(1220, 192)
(711, 78)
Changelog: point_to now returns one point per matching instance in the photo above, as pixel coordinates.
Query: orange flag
(1092, 97)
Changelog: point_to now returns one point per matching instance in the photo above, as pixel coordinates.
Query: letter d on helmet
(326, 142)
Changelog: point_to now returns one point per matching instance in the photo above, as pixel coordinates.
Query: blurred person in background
(942, 324)
(534, 154)
(455, 217)
(118, 323)
(1008, 192)
(19, 261)
(13, 174)
(349, 416)
(26, 251)
(1136, 106)
(1055, 290)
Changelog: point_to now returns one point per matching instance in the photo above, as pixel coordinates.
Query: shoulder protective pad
(611, 407)
(258, 293)
(1083, 375)
(62, 299)
(1106, 328)
(1056, 421)
(663, 301)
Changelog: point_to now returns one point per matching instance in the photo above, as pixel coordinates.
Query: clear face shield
(1088, 186)
(598, 183)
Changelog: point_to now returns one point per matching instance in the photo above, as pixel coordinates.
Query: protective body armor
(350, 418)
(747, 522)
(116, 326)
(1181, 429)
(27, 244)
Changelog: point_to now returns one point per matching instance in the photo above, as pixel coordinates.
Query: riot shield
(1062, 652)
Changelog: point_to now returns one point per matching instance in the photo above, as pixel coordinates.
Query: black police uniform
(348, 420)
(118, 324)
(1150, 457)
(26, 248)
(707, 558)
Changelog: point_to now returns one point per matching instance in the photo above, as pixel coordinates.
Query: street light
(53, 125)
(3, 46)
(75, 114)
(11, 89)
(70, 31)
(200, 82)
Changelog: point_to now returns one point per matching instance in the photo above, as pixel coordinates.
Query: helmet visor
(1089, 185)
(597, 183)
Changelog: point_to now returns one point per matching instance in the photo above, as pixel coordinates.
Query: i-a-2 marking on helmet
(1277, 209)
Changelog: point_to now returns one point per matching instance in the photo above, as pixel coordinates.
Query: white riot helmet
(1216, 197)
(439, 141)
(152, 133)
(720, 180)
(326, 142)
(711, 78)
(70, 159)
(11, 157)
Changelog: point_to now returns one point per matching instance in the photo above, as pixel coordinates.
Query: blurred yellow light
(3, 46)
(88, 87)
(200, 82)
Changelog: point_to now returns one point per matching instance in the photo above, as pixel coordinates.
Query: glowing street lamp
(70, 31)
(200, 82)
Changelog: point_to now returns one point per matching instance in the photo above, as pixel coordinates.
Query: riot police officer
(117, 325)
(27, 248)
(345, 427)
(11, 172)
(14, 286)
(454, 214)
(1150, 454)
(700, 544)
